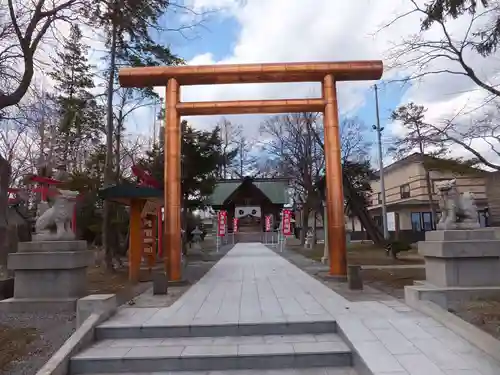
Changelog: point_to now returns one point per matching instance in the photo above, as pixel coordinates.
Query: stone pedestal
(458, 264)
(49, 275)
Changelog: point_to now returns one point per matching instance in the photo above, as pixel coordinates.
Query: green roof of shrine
(124, 193)
(274, 189)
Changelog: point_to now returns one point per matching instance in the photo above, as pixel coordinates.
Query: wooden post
(172, 190)
(334, 188)
(135, 241)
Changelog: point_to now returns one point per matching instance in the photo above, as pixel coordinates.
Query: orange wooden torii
(328, 73)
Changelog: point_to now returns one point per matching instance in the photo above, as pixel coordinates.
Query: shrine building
(250, 200)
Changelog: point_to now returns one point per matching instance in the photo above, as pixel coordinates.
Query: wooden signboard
(149, 239)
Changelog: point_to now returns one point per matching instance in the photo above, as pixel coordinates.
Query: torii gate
(328, 73)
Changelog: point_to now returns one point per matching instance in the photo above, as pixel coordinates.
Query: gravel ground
(52, 331)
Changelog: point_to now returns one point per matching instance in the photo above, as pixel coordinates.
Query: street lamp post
(324, 259)
(379, 130)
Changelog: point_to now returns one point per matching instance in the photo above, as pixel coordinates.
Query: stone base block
(446, 297)
(462, 258)
(55, 305)
(57, 274)
(51, 246)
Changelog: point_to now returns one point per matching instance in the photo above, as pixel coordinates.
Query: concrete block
(446, 297)
(462, 272)
(51, 283)
(354, 277)
(462, 235)
(160, 283)
(51, 246)
(33, 305)
(460, 248)
(49, 275)
(95, 303)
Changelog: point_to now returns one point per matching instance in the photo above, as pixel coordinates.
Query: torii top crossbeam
(251, 73)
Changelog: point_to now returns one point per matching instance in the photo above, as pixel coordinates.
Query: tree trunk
(5, 172)
(304, 224)
(430, 195)
(315, 227)
(108, 170)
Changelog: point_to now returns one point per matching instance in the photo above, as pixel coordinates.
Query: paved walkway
(252, 284)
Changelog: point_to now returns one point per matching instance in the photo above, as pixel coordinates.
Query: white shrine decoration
(243, 211)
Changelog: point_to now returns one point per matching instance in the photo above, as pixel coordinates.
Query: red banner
(268, 223)
(287, 222)
(222, 220)
(235, 225)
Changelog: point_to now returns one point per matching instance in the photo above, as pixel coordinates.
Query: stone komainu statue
(60, 216)
(458, 210)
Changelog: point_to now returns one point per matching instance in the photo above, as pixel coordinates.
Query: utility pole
(379, 130)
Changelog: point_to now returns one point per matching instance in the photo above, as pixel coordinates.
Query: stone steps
(110, 330)
(208, 353)
(229, 347)
(306, 371)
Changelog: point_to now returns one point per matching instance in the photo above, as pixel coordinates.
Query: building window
(405, 191)
(422, 221)
(416, 222)
(427, 223)
(379, 198)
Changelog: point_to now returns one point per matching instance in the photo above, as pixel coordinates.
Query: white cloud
(298, 30)
(293, 30)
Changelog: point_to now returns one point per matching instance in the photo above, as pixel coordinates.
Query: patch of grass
(14, 344)
(362, 254)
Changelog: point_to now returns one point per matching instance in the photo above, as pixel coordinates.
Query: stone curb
(469, 332)
(84, 335)
(58, 364)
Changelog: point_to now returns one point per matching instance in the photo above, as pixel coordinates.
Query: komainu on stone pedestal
(60, 216)
(458, 211)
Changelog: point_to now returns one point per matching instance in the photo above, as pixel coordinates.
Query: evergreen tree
(80, 115)
(128, 25)
(419, 137)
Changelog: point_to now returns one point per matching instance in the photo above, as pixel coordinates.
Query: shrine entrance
(328, 73)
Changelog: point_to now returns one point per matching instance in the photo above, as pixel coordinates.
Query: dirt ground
(483, 313)
(19, 340)
(14, 343)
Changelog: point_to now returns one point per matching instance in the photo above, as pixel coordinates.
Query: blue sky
(219, 37)
(258, 31)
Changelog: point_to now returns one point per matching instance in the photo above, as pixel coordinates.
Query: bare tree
(292, 144)
(418, 137)
(445, 52)
(294, 147)
(229, 133)
(23, 27)
(128, 103)
(245, 162)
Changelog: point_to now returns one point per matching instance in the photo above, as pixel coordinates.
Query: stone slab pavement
(252, 284)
